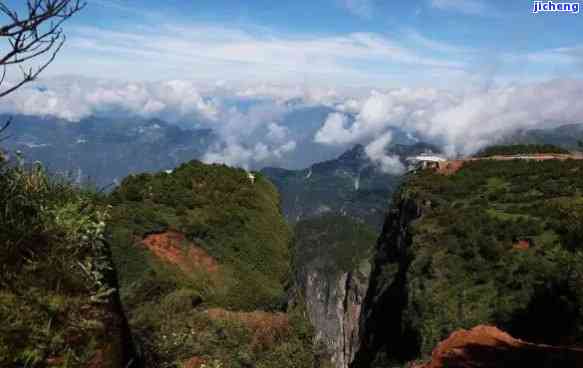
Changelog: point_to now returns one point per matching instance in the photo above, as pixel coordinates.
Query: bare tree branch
(2, 129)
(6, 125)
(35, 33)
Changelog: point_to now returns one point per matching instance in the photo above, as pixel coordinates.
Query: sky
(457, 73)
(382, 43)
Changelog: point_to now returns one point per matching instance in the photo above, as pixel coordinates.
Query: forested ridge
(214, 286)
(498, 242)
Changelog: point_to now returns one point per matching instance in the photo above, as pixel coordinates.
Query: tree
(30, 34)
(580, 144)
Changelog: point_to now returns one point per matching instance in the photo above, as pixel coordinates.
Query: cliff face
(381, 320)
(332, 268)
(334, 305)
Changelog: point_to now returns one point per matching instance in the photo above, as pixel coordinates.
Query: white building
(424, 161)
(251, 177)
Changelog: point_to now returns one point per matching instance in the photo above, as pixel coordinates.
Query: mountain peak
(356, 153)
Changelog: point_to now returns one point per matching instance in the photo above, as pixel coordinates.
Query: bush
(466, 263)
(236, 222)
(53, 263)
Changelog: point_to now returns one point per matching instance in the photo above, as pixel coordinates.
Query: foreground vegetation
(498, 243)
(230, 311)
(501, 244)
(58, 301)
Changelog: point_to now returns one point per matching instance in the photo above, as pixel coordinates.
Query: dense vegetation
(520, 149)
(233, 315)
(58, 302)
(337, 243)
(498, 243)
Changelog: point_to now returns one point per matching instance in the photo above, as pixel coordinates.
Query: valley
(218, 266)
(296, 184)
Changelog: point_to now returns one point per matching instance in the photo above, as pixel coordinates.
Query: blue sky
(332, 42)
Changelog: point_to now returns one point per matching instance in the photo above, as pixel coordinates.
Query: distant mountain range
(103, 151)
(566, 136)
(350, 185)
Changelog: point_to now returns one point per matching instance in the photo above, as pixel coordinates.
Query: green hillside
(499, 242)
(220, 294)
(469, 266)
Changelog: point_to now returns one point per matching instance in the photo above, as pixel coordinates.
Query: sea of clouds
(251, 119)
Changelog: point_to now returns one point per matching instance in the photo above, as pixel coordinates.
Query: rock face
(334, 305)
(489, 347)
(332, 267)
(386, 297)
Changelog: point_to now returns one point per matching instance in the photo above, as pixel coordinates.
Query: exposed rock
(334, 304)
(489, 347)
(382, 332)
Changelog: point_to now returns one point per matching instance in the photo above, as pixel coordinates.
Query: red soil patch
(265, 327)
(522, 245)
(194, 362)
(450, 167)
(489, 347)
(172, 247)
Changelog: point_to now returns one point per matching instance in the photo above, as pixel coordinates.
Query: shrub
(53, 263)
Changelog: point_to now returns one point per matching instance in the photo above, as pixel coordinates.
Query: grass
(460, 263)
(56, 289)
(239, 224)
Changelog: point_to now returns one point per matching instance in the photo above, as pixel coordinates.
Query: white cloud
(335, 130)
(253, 130)
(234, 153)
(474, 7)
(277, 133)
(460, 123)
(248, 135)
(202, 51)
(76, 98)
(376, 151)
(379, 111)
